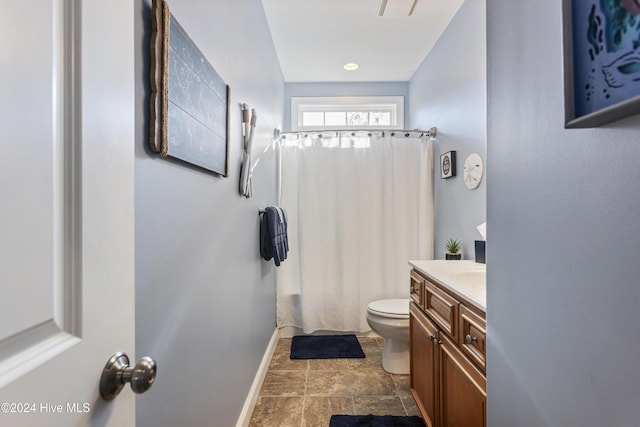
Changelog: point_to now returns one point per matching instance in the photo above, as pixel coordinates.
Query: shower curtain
(360, 205)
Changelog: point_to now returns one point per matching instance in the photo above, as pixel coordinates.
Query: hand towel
(274, 242)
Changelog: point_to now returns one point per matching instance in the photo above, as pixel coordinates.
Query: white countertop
(466, 278)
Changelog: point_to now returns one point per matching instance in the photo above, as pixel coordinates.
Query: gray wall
(344, 89)
(449, 91)
(205, 302)
(563, 275)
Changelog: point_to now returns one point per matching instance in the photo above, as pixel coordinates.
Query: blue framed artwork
(189, 100)
(601, 61)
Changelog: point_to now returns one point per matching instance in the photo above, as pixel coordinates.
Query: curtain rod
(431, 132)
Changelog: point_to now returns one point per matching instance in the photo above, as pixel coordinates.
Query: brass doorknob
(117, 373)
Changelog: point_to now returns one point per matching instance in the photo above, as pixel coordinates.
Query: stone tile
(370, 346)
(403, 384)
(370, 382)
(378, 405)
(282, 362)
(277, 412)
(328, 364)
(283, 346)
(373, 355)
(373, 360)
(284, 383)
(318, 409)
(330, 383)
(306, 393)
(410, 406)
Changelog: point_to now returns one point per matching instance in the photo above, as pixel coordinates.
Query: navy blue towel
(274, 242)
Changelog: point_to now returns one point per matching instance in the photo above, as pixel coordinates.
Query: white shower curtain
(359, 207)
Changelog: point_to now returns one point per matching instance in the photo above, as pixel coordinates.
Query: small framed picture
(448, 165)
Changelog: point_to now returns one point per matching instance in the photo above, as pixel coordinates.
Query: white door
(66, 213)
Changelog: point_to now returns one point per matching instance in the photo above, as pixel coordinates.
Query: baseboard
(254, 391)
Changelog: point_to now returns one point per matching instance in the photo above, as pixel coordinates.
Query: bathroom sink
(465, 277)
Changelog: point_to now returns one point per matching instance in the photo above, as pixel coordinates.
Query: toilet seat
(391, 308)
(389, 319)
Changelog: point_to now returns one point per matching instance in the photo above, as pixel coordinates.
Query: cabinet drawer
(473, 335)
(442, 308)
(415, 292)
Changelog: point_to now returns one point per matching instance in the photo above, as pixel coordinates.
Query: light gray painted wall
(343, 89)
(205, 302)
(449, 91)
(563, 275)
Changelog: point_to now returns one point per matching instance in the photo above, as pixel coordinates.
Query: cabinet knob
(469, 339)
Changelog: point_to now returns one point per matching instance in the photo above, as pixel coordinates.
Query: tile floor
(305, 393)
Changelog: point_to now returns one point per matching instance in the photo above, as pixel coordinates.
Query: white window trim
(393, 104)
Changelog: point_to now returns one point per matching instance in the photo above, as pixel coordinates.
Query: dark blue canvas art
(197, 113)
(189, 101)
(605, 44)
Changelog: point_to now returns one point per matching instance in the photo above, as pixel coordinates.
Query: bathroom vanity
(448, 342)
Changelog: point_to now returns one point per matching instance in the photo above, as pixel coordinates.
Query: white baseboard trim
(254, 391)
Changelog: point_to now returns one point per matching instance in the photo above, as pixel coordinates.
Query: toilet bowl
(389, 318)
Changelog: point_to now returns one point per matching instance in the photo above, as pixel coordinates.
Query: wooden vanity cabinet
(448, 380)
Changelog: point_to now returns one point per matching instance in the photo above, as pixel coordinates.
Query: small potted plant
(453, 249)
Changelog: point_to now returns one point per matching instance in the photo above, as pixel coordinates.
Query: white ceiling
(315, 38)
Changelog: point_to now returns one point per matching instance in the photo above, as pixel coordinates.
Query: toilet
(389, 318)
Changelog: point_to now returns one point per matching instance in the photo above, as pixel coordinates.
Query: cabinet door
(424, 361)
(463, 400)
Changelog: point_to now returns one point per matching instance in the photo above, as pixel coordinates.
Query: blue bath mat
(326, 347)
(374, 421)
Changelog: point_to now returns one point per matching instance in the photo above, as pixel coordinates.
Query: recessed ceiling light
(351, 66)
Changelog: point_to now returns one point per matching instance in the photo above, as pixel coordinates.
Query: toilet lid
(396, 308)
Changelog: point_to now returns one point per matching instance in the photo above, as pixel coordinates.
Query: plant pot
(453, 257)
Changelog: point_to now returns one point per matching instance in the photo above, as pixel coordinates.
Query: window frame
(302, 104)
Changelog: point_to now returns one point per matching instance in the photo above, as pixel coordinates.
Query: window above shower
(344, 113)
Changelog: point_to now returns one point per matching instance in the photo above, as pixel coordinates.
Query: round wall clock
(473, 171)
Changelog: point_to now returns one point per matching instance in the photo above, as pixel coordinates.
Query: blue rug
(326, 347)
(374, 421)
